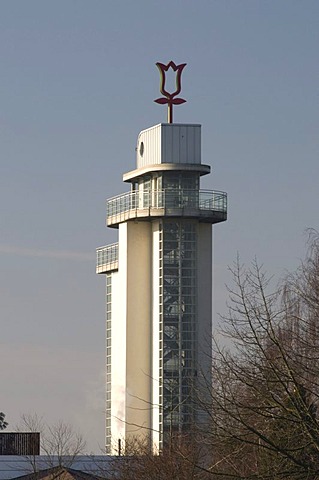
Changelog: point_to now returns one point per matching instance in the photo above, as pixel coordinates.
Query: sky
(78, 80)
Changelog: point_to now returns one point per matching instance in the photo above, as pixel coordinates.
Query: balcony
(205, 205)
(107, 258)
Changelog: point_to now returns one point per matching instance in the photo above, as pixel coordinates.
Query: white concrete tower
(159, 287)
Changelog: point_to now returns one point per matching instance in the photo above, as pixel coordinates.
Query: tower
(159, 283)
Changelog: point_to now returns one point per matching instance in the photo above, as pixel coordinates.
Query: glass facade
(177, 326)
(180, 181)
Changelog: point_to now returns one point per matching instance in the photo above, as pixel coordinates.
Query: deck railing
(107, 255)
(167, 199)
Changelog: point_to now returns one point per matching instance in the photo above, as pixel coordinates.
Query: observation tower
(159, 282)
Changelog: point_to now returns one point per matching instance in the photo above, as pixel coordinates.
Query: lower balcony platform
(107, 258)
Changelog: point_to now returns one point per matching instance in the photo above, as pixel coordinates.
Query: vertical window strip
(108, 436)
(160, 400)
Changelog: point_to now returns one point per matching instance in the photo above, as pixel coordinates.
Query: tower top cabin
(168, 147)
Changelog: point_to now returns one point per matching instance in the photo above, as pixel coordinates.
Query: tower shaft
(159, 288)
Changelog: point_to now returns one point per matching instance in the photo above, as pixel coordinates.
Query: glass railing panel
(209, 200)
(181, 198)
(136, 200)
(107, 255)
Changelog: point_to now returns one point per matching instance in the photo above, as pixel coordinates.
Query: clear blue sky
(78, 80)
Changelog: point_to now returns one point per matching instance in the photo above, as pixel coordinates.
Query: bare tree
(60, 444)
(263, 408)
(181, 459)
(3, 423)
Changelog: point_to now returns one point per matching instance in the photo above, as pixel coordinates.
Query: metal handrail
(167, 198)
(107, 255)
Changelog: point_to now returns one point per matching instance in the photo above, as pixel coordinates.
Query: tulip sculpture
(170, 99)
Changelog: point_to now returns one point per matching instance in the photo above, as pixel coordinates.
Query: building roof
(60, 473)
(86, 467)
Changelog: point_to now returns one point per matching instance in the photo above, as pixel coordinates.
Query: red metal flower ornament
(170, 99)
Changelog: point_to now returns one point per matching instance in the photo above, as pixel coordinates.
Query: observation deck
(205, 205)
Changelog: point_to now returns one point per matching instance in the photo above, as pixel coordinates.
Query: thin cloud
(57, 254)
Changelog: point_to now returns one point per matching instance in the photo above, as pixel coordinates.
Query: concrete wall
(138, 328)
(135, 331)
(155, 335)
(118, 371)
